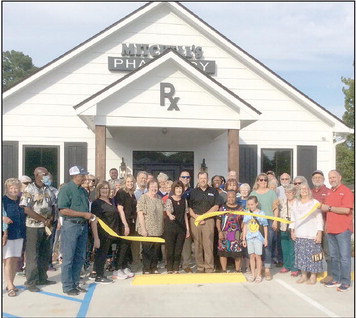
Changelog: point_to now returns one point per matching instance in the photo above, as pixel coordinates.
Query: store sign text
(136, 55)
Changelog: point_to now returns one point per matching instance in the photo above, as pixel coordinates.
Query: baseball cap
(75, 170)
(25, 179)
(318, 172)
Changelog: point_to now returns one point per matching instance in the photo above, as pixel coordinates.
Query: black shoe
(80, 289)
(33, 289)
(103, 280)
(92, 276)
(47, 282)
(72, 292)
(279, 264)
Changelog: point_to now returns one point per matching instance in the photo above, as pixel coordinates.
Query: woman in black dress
(103, 208)
(176, 226)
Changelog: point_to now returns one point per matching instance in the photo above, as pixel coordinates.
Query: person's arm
(275, 208)
(244, 232)
(123, 219)
(73, 213)
(36, 216)
(186, 225)
(265, 231)
(334, 209)
(4, 238)
(141, 220)
(94, 229)
(168, 207)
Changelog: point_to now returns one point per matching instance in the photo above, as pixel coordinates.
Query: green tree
(15, 67)
(345, 152)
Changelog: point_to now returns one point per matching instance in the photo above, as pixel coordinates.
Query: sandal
(12, 293)
(268, 276)
(15, 289)
(258, 279)
(301, 280)
(251, 279)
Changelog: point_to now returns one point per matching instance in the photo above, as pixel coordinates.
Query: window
(277, 160)
(41, 156)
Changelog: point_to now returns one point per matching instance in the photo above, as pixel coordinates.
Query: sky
(308, 44)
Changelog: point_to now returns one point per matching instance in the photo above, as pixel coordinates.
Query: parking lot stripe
(312, 302)
(86, 301)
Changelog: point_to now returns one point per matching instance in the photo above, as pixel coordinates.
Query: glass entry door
(168, 162)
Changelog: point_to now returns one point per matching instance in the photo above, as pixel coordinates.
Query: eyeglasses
(284, 178)
(185, 177)
(296, 183)
(265, 180)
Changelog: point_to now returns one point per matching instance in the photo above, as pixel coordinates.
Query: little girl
(255, 237)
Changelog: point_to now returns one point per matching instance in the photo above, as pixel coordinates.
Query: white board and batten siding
(41, 111)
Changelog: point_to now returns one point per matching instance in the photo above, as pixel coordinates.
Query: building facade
(161, 90)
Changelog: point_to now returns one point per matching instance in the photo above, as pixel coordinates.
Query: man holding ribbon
(73, 205)
(339, 205)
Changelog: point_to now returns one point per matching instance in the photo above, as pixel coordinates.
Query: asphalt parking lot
(199, 295)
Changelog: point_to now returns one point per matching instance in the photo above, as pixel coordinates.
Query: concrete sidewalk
(281, 297)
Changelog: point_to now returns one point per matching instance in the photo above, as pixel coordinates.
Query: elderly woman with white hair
(13, 237)
(162, 179)
(307, 234)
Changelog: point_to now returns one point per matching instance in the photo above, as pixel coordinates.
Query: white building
(165, 91)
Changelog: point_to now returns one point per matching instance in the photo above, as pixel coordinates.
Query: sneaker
(92, 276)
(343, 288)
(103, 280)
(119, 274)
(128, 273)
(332, 284)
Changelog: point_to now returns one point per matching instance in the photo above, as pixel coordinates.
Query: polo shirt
(202, 201)
(320, 194)
(74, 197)
(341, 197)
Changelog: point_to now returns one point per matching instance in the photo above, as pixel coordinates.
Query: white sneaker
(119, 274)
(128, 272)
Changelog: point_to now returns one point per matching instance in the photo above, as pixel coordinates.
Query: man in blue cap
(73, 205)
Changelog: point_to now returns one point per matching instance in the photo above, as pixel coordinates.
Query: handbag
(317, 257)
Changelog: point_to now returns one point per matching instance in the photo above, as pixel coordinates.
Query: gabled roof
(250, 113)
(211, 33)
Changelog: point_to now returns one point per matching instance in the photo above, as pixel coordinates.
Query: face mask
(46, 180)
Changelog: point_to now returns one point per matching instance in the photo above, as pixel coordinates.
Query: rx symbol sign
(167, 91)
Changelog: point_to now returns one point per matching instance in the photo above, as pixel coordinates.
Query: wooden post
(233, 151)
(100, 152)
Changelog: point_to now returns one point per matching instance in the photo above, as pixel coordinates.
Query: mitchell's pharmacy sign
(136, 55)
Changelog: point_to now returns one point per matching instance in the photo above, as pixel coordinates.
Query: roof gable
(193, 20)
(201, 98)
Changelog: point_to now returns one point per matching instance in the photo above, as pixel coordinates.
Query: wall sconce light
(123, 169)
(203, 167)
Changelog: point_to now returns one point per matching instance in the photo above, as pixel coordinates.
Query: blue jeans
(340, 254)
(73, 245)
(267, 251)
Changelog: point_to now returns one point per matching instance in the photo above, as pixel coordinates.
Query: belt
(76, 221)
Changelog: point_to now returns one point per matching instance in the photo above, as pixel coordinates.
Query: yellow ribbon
(110, 231)
(274, 218)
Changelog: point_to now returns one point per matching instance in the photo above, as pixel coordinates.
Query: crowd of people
(42, 225)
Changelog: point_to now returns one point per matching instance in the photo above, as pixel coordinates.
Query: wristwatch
(330, 207)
